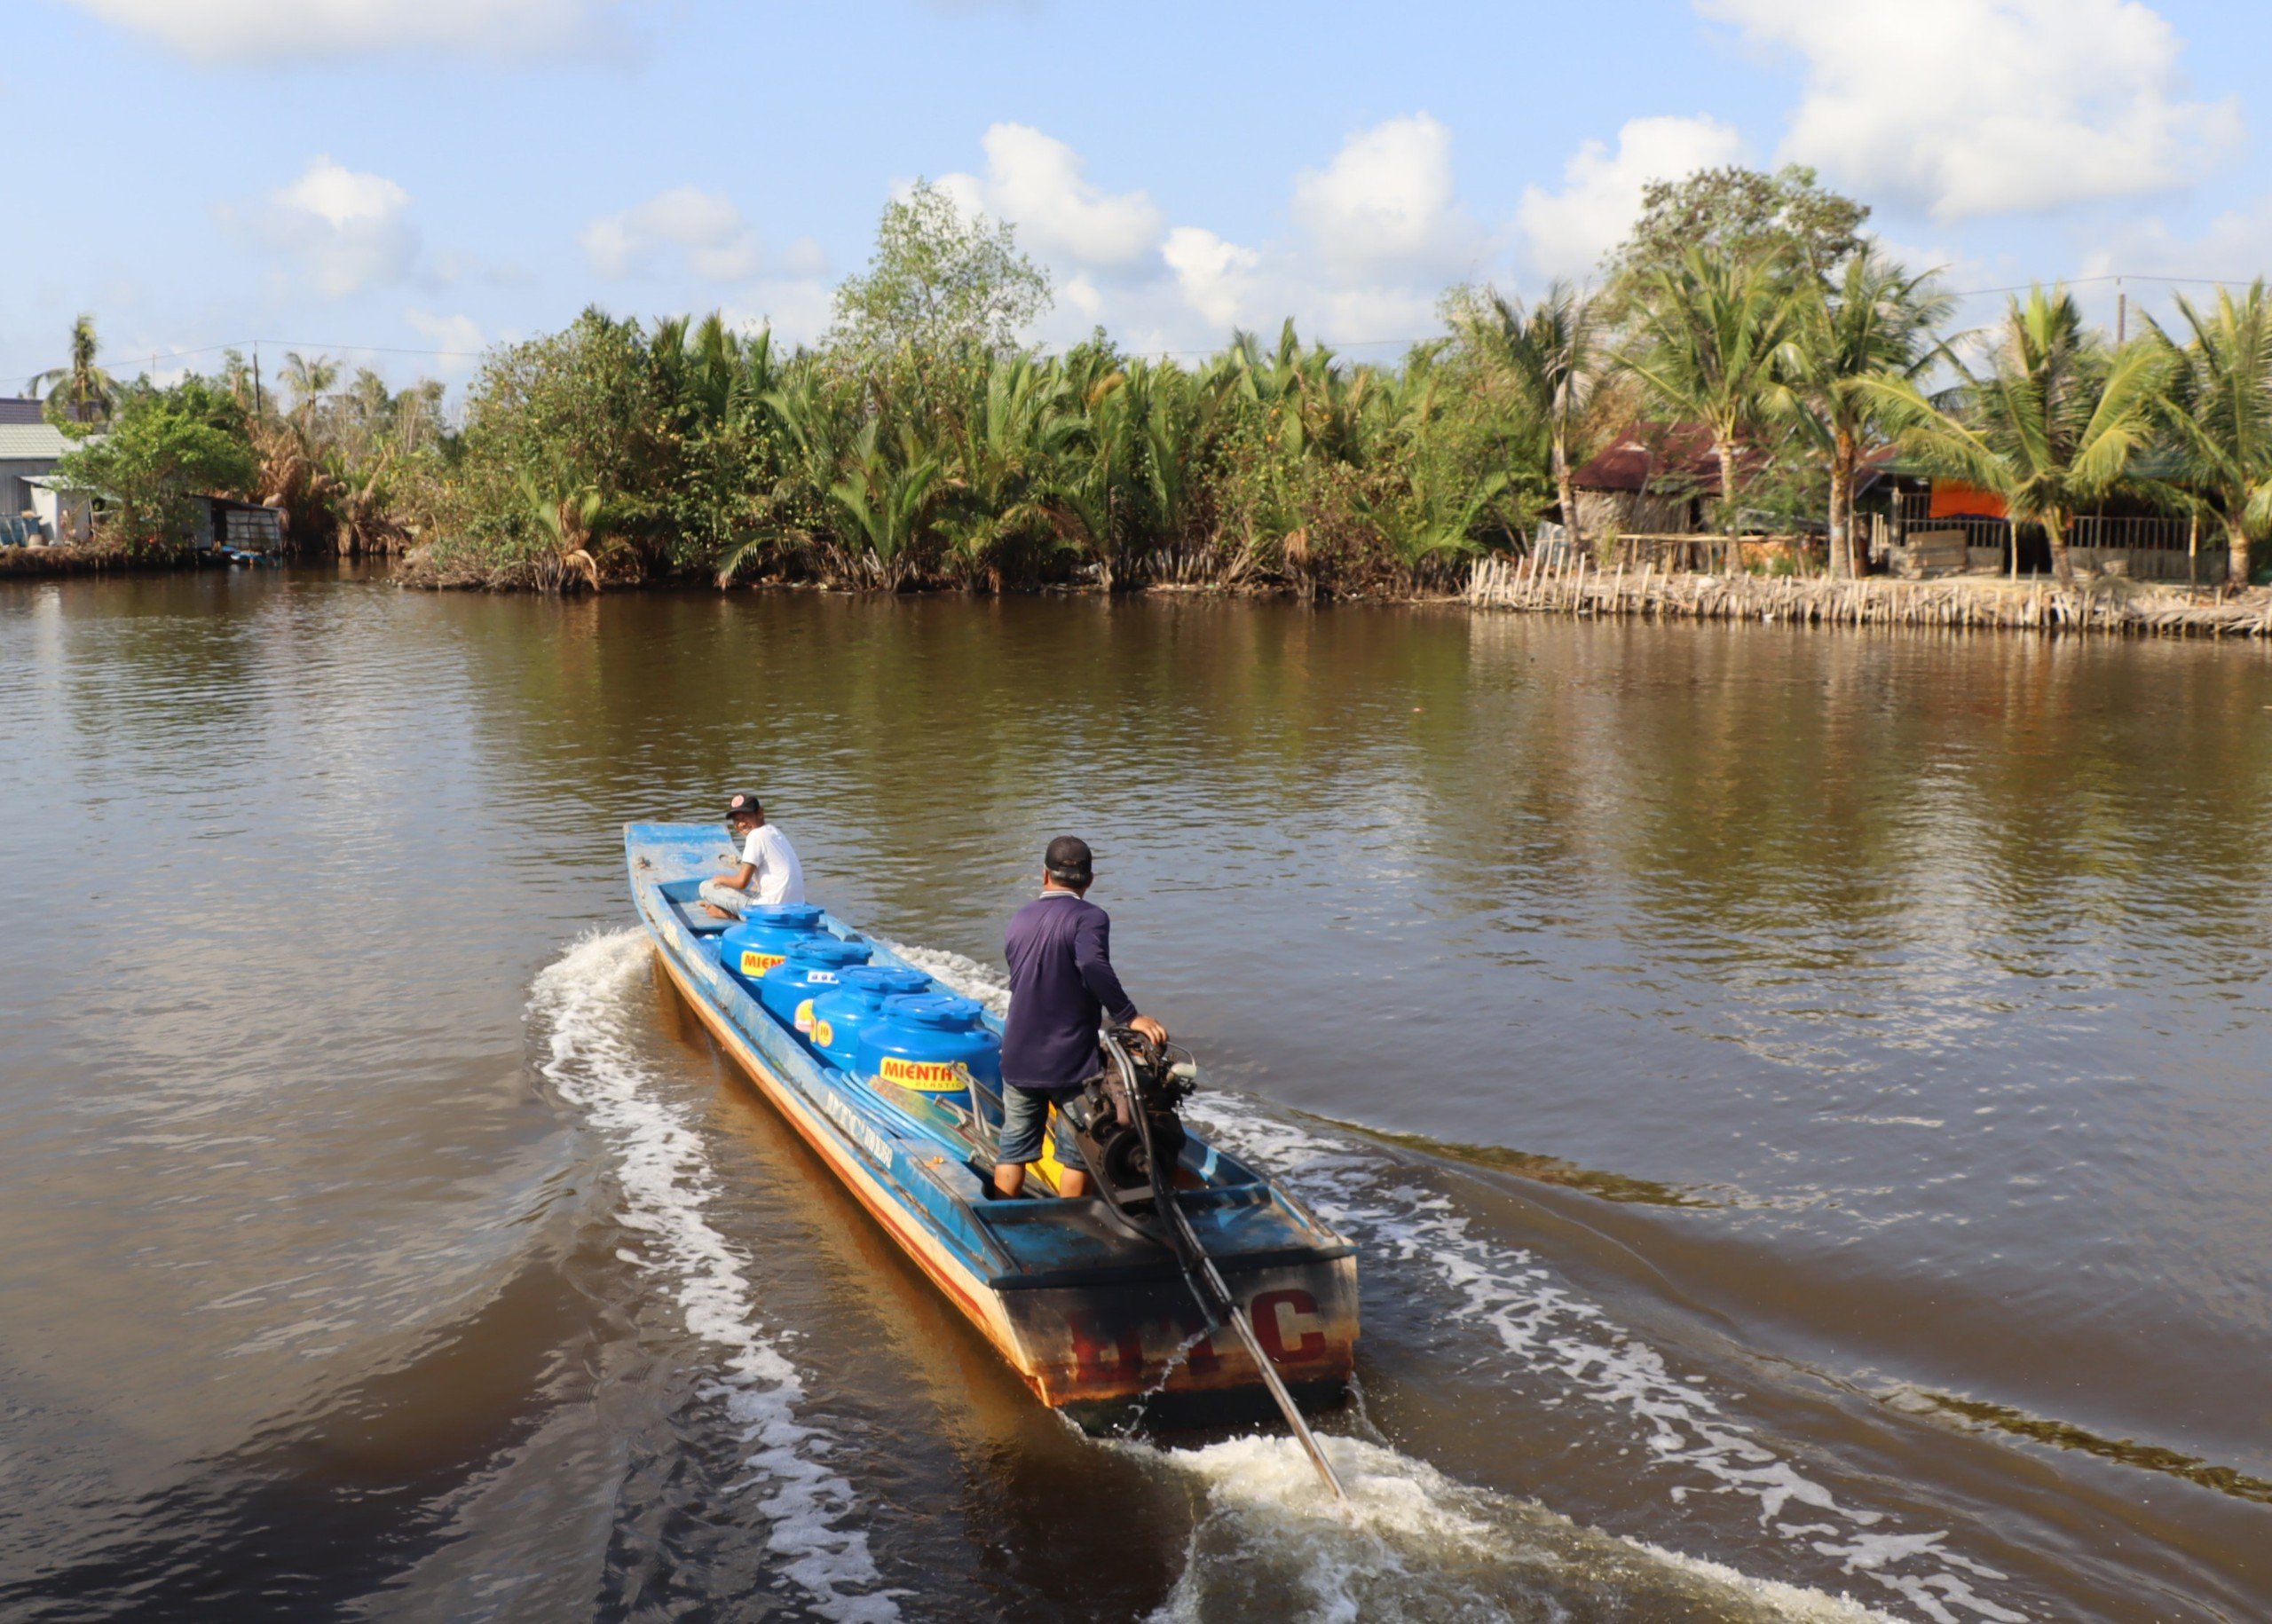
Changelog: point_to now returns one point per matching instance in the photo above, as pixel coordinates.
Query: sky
(402, 183)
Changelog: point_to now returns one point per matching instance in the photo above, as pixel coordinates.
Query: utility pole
(256, 379)
(2121, 314)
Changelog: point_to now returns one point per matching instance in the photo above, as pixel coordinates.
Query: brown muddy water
(1800, 1098)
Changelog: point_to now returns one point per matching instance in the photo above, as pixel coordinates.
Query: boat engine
(1128, 1119)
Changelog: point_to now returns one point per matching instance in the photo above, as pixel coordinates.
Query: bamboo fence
(1580, 587)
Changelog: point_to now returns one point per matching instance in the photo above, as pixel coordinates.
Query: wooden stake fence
(1580, 587)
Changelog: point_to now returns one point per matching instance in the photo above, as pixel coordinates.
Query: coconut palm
(1552, 358)
(1711, 332)
(2052, 423)
(2217, 413)
(80, 388)
(309, 380)
(1875, 321)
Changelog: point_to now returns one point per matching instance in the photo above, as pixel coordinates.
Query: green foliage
(1785, 220)
(1548, 369)
(1871, 322)
(2216, 415)
(940, 281)
(2054, 424)
(587, 406)
(164, 448)
(1714, 334)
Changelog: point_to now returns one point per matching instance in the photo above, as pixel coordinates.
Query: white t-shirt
(778, 878)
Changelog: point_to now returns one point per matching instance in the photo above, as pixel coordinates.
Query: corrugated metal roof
(25, 441)
(30, 409)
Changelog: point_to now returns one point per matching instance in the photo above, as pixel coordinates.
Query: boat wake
(1537, 1324)
(1415, 1544)
(1540, 1325)
(583, 1001)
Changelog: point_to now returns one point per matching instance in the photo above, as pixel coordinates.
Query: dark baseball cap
(1069, 861)
(741, 805)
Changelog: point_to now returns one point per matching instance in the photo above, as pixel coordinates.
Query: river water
(1800, 1098)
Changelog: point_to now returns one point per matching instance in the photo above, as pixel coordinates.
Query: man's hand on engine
(1149, 1028)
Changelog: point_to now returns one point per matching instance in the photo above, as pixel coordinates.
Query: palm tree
(1551, 356)
(565, 514)
(888, 500)
(79, 389)
(1876, 321)
(1712, 331)
(2217, 413)
(1102, 489)
(1009, 446)
(309, 380)
(1438, 519)
(2052, 424)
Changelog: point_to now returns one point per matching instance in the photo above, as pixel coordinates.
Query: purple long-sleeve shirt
(1061, 980)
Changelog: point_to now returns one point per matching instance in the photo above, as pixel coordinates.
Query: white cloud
(1041, 186)
(1217, 278)
(459, 336)
(2235, 244)
(705, 227)
(273, 30)
(798, 309)
(347, 229)
(1566, 233)
(1970, 107)
(1387, 199)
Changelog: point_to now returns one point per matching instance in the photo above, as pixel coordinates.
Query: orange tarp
(1952, 497)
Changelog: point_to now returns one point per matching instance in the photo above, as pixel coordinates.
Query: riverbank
(2105, 605)
(50, 563)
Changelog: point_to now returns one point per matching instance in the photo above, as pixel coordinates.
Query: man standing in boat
(769, 870)
(1061, 984)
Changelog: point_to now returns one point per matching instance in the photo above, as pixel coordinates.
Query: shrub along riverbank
(920, 444)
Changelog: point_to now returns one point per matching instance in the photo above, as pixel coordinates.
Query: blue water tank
(764, 938)
(932, 1044)
(857, 998)
(810, 969)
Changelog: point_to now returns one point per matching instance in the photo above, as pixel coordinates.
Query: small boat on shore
(1101, 1304)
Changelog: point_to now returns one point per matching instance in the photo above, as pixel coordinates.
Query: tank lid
(795, 916)
(896, 981)
(943, 1011)
(830, 951)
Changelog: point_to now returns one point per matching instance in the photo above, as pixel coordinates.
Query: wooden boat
(1100, 1321)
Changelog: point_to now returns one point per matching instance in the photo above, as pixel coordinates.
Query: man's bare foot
(714, 911)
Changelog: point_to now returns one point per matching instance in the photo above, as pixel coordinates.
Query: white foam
(1413, 1543)
(1543, 1326)
(966, 975)
(667, 1182)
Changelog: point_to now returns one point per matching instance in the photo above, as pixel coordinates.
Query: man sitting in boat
(1062, 982)
(769, 873)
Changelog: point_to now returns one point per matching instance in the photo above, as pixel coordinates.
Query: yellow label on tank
(926, 1077)
(754, 963)
(823, 1034)
(1050, 1169)
(805, 1016)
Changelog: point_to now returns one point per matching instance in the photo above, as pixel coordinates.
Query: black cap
(1068, 861)
(745, 804)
